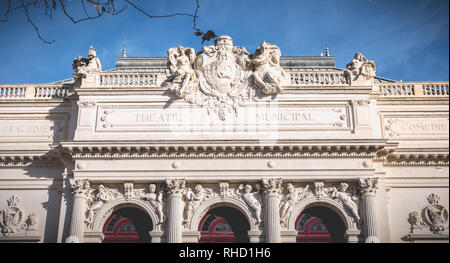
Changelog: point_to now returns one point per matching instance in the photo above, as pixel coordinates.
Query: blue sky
(407, 39)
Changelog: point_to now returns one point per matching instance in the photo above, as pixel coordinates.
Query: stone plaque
(31, 128)
(271, 117)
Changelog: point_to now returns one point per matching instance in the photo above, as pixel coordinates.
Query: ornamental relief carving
(346, 194)
(433, 218)
(99, 195)
(13, 219)
(223, 77)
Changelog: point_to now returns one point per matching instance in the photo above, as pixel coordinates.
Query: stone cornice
(416, 157)
(225, 149)
(14, 159)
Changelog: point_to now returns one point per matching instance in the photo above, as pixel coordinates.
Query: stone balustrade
(44, 91)
(413, 89)
(314, 78)
(121, 79)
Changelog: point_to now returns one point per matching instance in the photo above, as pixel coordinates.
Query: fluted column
(272, 189)
(175, 188)
(80, 189)
(368, 190)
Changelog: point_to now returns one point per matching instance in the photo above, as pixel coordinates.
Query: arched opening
(128, 225)
(320, 224)
(224, 225)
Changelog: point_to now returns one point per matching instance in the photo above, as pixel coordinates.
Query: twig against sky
(88, 7)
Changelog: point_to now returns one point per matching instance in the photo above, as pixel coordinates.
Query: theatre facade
(224, 145)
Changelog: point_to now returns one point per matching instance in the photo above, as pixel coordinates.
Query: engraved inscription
(427, 127)
(283, 116)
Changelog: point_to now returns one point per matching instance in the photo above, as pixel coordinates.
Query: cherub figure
(155, 201)
(194, 199)
(99, 200)
(83, 66)
(268, 73)
(181, 60)
(251, 200)
(347, 200)
(94, 62)
(291, 198)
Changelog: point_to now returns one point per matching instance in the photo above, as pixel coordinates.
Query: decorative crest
(222, 77)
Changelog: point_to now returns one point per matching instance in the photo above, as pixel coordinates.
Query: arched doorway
(224, 225)
(320, 224)
(128, 225)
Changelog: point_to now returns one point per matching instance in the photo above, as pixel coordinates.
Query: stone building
(224, 146)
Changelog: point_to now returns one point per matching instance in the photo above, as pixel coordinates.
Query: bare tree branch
(101, 8)
(35, 27)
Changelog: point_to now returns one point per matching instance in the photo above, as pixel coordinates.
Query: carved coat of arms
(222, 77)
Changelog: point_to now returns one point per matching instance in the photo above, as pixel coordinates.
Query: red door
(119, 229)
(311, 229)
(215, 229)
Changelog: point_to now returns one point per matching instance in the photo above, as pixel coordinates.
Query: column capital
(80, 187)
(368, 185)
(175, 186)
(272, 185)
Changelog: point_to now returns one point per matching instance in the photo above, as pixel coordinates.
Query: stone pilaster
(175, 188)
(368, 190)
(272, 188)
(80, 190)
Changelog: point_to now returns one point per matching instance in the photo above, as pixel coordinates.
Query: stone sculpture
(222, 77)
(12, 218)
(252, 201)
(360, 66)
(99, 200)
(84, 66)
(193, 199)
(155, 201)
(346, 199)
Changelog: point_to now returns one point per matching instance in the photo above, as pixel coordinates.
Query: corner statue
(222, 77)
(83, 66)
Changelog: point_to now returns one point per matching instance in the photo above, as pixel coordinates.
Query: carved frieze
(223, 76)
